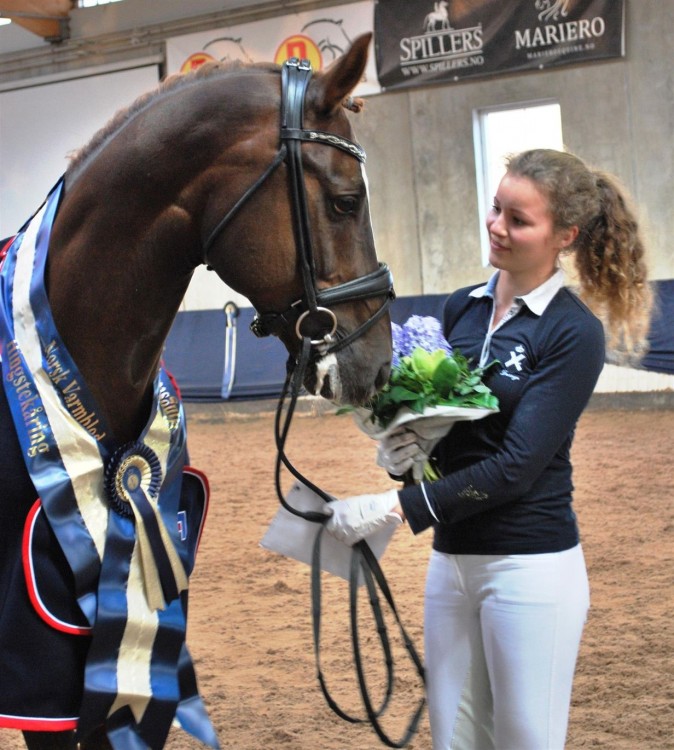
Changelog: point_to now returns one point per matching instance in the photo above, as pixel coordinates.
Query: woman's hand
(358, 517)
(405, 448)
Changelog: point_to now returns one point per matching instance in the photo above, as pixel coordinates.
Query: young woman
(507, 591)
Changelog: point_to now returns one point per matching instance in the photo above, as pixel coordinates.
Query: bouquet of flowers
(431, 387)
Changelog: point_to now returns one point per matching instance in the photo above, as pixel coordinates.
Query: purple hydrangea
(418, 330)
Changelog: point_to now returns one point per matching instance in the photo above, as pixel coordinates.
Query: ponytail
(609, 252)
(610, 261)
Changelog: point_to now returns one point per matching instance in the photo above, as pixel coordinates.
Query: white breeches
(502, 635)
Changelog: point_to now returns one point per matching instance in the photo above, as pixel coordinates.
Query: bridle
(315, 303)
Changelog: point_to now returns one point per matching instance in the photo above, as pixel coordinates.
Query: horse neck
(113, 301)
(116, 279)
(128, 233)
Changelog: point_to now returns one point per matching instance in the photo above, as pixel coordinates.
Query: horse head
(296, 231)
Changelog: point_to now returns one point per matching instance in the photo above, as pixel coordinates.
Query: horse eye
(345, 204)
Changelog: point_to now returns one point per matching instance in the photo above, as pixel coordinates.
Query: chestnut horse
(253, 171)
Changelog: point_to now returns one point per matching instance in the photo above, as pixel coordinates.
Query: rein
(363, 561)
(295, 79)
(315, 303)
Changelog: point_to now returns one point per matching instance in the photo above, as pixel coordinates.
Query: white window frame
(490, 152)
(92, 3)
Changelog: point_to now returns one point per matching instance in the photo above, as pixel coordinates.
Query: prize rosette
(133, 480)
(133, 468)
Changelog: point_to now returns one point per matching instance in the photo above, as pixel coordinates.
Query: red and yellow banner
(319, 36)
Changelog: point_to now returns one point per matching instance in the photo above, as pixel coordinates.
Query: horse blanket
(97, 540)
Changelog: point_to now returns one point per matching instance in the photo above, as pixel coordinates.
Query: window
(500, 131)
(91, 3)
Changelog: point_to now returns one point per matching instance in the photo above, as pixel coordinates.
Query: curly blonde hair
(608, 251)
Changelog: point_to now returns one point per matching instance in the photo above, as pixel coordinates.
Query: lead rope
(362, 559)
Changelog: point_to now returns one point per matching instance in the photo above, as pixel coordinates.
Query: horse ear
(339, 80)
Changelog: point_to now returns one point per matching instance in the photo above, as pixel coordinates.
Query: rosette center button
(132, 479)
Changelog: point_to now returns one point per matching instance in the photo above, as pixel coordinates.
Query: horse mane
(169, 84)
(172, 83)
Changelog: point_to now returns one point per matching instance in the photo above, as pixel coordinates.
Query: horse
(438, 15)
(253, 170)
(551, 9)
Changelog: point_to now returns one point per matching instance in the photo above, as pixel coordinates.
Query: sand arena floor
(250, 624)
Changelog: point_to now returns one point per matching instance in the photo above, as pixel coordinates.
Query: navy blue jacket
(507, 479)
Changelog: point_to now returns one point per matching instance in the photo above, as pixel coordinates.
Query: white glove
(404, 449)
(357, 517)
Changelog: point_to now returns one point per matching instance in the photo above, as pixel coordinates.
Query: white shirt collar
(536, 300)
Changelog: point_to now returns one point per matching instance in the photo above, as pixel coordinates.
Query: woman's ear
(567, 237)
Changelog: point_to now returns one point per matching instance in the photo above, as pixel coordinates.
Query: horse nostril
(382, 376)
(326, 388)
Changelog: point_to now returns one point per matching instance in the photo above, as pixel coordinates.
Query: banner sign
(320, 36)
(425, 42)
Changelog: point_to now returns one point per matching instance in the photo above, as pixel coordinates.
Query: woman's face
(522, 239)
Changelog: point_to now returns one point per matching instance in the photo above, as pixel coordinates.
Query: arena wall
(617, 114)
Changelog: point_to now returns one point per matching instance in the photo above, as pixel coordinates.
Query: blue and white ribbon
(114, 512)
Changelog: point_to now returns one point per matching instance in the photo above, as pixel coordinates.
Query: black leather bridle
(315, 303)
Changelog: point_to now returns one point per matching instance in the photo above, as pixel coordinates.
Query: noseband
(315, 303)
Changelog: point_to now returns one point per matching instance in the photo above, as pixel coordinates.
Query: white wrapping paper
(291, 536)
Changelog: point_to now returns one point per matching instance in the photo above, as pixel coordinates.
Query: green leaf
(399, 394)
(446, 375)
(425, 363)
